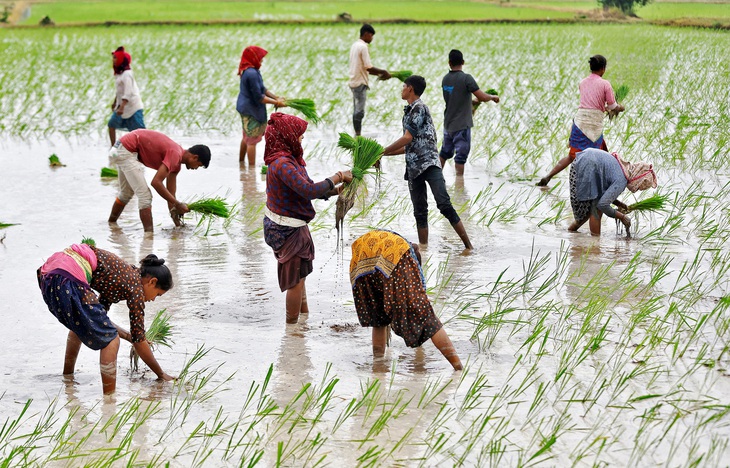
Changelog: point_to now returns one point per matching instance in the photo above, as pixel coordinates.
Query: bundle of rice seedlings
(493, 92)
(653, 203)
(264, 169)
(621, 92)
(306, 107)
(365, 153)
(88, 241)
(401, 75)
(346, 141)
(207, 207)
(109, 172)
(53, 161)
(158, 334)
(7, 225)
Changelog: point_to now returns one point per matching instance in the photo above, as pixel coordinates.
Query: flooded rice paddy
(578, 351)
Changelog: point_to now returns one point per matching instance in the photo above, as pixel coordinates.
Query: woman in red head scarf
(289, 195)
(252, 99)
(127, 108)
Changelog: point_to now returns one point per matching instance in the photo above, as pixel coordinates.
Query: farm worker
(127, 108)
(252, 99)
(289, 195)
(141, 148)
(68, 280)
(422, 161)
(596, 98)
(360, 68)
(597, 178)
(458, 88)
(389, 290)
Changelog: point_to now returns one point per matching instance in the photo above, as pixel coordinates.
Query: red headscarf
(125, 60)
(251, 58)
(282, 138)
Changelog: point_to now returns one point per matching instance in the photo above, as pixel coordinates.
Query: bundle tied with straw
(401, 74)
(365, 153)
(306, 107)
(109, 172)
(158, 334)
(620, 93)
(53, 161)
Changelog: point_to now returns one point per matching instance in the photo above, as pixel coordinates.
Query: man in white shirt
(360, 68)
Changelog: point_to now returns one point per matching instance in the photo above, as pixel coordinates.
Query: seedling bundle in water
(365, 153)
(53, 161)
(6, 225)
(109, 172)
(158, 334)
(306, 107)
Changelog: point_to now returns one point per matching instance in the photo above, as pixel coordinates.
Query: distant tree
(627, 6)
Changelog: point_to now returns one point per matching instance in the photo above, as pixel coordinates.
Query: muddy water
(226, 296)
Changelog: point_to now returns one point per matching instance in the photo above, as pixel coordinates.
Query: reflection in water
(293, 365)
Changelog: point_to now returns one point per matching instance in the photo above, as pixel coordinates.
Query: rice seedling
(109, 172)
(621, 92)
(264, 169)
(306, 107)
(88, 241)
(654, 203)
(365, 154)
(401, 74)
(53, 161)
(158, 334)
(346, 141)
(208, 209)
(7, 225)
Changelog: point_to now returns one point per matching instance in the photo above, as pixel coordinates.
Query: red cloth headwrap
(282, 138)
(251, 58)
(126, 60)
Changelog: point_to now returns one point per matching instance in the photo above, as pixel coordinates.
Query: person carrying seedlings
(597, 178)
(68, 281)
(389, 290)
(360, 68)
(596, 98)
(141, 148)
(289, 195)
(422, 161)
(127, 108)
(458, 88)
(252, 99)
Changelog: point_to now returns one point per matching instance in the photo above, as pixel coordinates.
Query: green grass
(136, 11)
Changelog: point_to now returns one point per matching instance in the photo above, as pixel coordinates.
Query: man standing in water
(141, 148)
(360, 68)
(458, 88)
(418, 143)
(127, 108)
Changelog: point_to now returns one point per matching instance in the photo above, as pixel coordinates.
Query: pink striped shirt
(66, 262)
(596, 93)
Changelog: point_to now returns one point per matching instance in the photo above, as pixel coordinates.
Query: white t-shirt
(359, 64)
(127, 89)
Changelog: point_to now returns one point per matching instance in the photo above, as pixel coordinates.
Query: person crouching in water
(289, 195)
(597, 178)
(389, 289)
(68, 280)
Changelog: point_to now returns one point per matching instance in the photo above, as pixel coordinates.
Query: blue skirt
(76, 306)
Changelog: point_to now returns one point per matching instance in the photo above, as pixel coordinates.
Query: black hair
(456, 58)
(598, 63)
(366, 28)
(202, 152)
(155, 267)
(417, 82)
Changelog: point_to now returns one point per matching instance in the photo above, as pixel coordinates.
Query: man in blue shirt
(418, 143)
